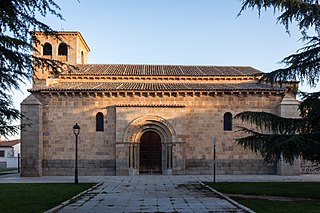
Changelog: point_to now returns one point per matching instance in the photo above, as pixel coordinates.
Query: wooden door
(150, 153)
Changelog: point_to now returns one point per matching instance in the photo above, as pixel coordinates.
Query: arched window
(99, 122)
(227, 121)
(63, 49)
(47, 49)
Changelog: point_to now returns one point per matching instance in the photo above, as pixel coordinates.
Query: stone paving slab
(150, 194)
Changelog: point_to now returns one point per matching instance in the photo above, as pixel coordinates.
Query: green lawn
(7, 169)
(282, 189)
(267, 206)
(36, 197)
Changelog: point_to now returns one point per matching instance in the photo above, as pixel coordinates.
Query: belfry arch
(139, 127)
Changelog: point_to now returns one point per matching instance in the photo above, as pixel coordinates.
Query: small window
(82, 57)
(47, 49)
(99, 122)
(227, 121)
(63, 49)
(1, 153)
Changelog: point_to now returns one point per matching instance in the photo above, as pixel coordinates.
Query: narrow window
(47, 49)
(63, 49)
(227, 121)
(1, 153)
(99, 122)
(82, 57)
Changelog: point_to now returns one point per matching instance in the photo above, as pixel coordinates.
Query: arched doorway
(133, 137)
(150, 153)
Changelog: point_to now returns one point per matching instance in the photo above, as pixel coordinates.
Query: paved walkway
(150, 194)
(15, 178)
(153, 193)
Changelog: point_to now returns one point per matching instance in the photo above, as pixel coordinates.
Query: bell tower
(70, 48)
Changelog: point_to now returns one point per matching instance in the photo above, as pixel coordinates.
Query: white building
(9, 151)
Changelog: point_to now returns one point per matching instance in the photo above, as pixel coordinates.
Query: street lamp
(76, 132)
(214, 141)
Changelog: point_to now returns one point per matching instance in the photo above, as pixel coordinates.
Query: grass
(282, 189)
(267, 206)
(7, 169)
(36, 197)
(287, 189)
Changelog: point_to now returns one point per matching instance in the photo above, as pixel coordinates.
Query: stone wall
(288, 108)
(85, 167)
(229, 167)
(195, 122)
(31, 137)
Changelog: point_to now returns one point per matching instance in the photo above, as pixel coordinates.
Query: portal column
(168, 158)
(133, 158)
(136, 152)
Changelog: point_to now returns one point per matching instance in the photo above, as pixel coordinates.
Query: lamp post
(214, 159)
(76, 132)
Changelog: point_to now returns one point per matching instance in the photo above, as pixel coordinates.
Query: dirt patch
(198, 189)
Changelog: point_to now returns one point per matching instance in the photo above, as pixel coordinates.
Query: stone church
(140, 118)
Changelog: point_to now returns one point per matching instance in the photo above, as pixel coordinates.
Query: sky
(184, 32)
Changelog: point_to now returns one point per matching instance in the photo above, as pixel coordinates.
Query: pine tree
(290, 138)
(17, 19)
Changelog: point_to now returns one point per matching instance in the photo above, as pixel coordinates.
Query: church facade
(141, 119)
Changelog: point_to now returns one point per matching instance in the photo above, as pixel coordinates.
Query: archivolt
(146, 123)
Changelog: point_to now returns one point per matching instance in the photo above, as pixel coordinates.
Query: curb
(242, 207)
(65, 203)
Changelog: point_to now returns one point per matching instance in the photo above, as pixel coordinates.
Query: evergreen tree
(290, 138)
(17, 19)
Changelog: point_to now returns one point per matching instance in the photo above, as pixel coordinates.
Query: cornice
(174, 94)
(152, 105)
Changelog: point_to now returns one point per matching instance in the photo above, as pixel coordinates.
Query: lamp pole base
(76, 176)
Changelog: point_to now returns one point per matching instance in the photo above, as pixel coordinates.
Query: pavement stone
(140, 194)
(152, 193)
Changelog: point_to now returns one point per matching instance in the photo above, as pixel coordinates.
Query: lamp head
(214, 141)
(76, 129)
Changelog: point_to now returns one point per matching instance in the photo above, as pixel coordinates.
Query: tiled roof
(160, 70)
(128, 86)
(9, 143)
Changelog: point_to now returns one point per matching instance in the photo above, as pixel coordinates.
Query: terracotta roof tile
(9, 143)
(133, 86)
(160, 70)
